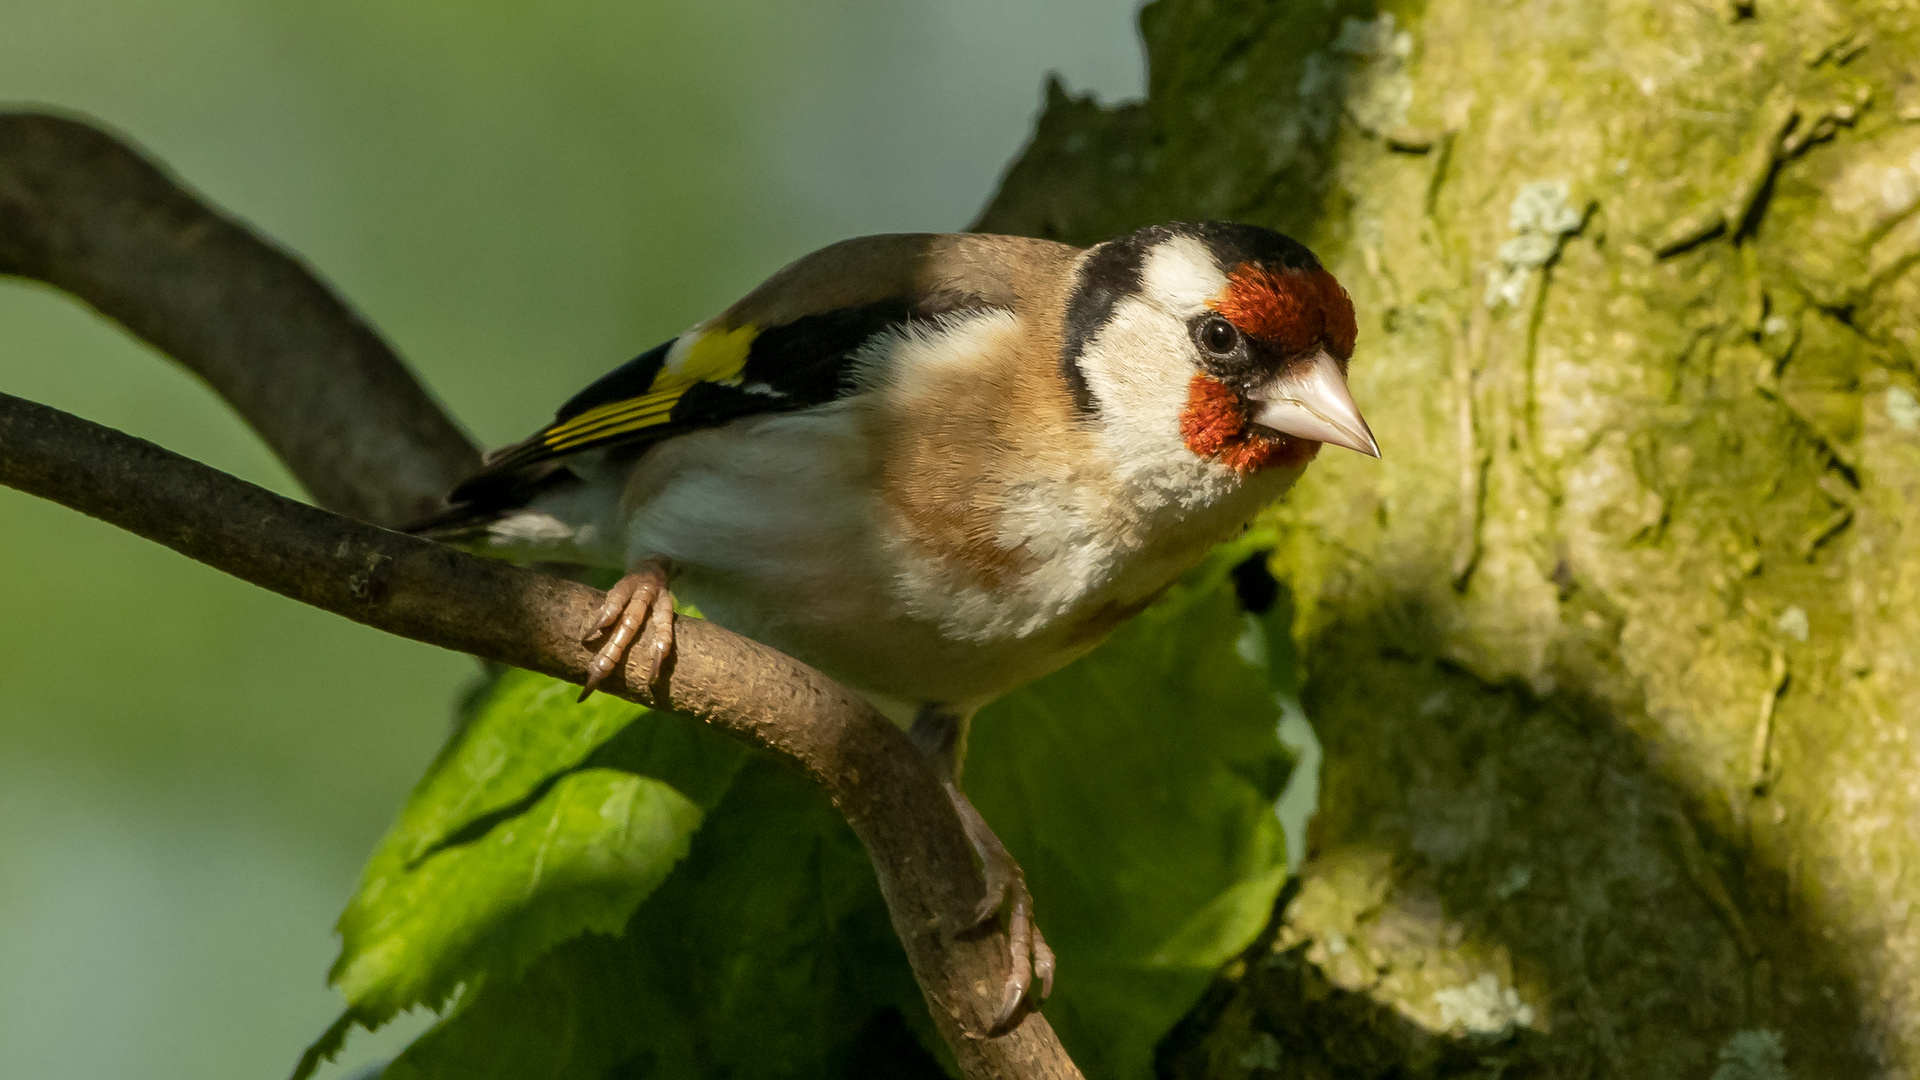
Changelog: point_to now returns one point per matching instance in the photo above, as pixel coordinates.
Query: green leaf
(1136, 788)
(543, 819)
(580, 859)
(520, 731)
(768, 953)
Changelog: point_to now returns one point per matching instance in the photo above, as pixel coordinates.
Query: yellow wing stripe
(710, 356)
(599, 415)
(635, 408)
(618, 418)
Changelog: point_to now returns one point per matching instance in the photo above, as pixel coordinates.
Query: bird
(938, 467)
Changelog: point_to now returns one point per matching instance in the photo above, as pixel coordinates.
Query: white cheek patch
(1181, 274)
(1139, 368)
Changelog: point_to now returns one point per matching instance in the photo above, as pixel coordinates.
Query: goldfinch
(937, 467)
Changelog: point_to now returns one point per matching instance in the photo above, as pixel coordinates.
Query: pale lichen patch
(1541, 219)
(1903, 409)
(1482, 1007)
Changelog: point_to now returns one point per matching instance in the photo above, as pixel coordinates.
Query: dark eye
(1218, 336)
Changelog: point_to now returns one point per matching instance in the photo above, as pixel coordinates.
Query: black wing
(700, 380)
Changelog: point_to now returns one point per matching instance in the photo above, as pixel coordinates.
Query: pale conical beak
(1313, 403)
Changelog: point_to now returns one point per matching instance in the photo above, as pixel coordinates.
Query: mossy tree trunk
(1614, 654)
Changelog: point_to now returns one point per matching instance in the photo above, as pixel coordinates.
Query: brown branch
(82, 212)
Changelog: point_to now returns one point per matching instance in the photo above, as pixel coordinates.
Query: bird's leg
(639, 600)
(941, 735)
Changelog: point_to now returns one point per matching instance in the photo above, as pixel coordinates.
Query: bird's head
(1230, 338)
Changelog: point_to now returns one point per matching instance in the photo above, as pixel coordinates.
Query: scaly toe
(994, 899)
(636, 602)
(612, 608)
(1042, 964)
(659, 636)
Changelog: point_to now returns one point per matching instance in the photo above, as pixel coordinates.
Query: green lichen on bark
(1613, 654)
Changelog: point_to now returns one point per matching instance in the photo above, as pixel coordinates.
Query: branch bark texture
(82, 212)
(1613, 654)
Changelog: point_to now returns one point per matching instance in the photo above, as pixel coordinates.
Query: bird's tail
(487, 497)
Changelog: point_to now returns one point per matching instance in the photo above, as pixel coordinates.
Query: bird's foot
(636, 602)
(1006, 888)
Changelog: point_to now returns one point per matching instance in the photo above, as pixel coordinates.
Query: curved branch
(81, 211)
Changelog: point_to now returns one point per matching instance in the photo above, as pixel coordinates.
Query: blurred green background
(520, 197)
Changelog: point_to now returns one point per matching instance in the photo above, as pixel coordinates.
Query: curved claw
(637, 601)
(1031, 958)
(1006, 888)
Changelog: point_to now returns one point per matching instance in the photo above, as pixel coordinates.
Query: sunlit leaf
(768, 953)
(543, 819)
